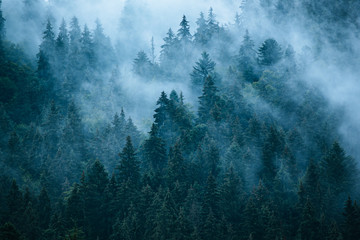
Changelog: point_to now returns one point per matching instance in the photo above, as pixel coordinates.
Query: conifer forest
(179, 120)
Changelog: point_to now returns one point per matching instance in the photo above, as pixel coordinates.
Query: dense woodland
(256, 154)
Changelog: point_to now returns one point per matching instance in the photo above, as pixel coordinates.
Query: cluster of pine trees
(256, 156)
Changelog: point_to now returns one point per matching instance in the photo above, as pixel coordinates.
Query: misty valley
(144, 119)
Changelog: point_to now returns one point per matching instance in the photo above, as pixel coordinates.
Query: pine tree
(182, 227)
(200, 37)
(48, 44)
(168, 53)
(270, 52)
(62, 45)
(211, 197)
(142, 65)
(246, 60)
(94, 195)
(129, 167)
(176, 167)
(308, 229)
(74, 208)
(351, 220)
(270, 151)
(161, 113)
(104, 54)
(87, 48)
(15, 151)
(212, 25)
(9, 232)
(210, 228)
(339, 170)
(14, 202)
(155, 151)
(207, 100)
(165, 219)
(44, 209)
(212, 161)
(202, 69)
(231, 194)
(184, 34)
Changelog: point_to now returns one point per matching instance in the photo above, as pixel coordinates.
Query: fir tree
(203, 68)
(155, 152)
(129, 166)
(270, 52)
(208, 100)
(184, 34)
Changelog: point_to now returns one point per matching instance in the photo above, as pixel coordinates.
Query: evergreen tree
(94, 195)
(270, 151)
(208, 101)
(184, 34)
(142, 65)
(129, 166)
(74, 208)
(176, 167)
(246, 60)
(87, 48)
(200, 37)
(155, 152)
(14, 202)
(270, 52)
(165, 219)
(211, 198)
(182, 227)
(231, 195)
(308, 229)
(62, 47)
(9, 232)
(203, 68)
(212, 25)
(161, 113)
(44, 209)
(339, 170)
(351, 221)
(48, 44)
(210, 229)
(104, 55)
(168, 51)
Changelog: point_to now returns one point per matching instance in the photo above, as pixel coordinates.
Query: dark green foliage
(155, 151)
(204, 67)
(9, 232)
(208, 102)
(338, 170)
(246, 60)
(270, 52)
(195, 174)
(309, 225)
(129, 166)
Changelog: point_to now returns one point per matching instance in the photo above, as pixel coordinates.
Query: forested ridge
(253, 152)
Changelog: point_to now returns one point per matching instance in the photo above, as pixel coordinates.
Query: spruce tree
(202, 69)
(9, 232)
(184, 34)
(207, 100)
(270, 52)
(129, 166)
(155, 151)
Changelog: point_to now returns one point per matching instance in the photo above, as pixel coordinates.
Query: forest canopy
(247, 137)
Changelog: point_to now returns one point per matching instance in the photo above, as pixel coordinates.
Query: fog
(131, 25)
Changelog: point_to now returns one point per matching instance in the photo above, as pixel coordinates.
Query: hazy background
(131, 25)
